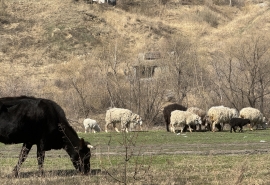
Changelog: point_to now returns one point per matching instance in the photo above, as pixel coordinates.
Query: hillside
(39, 33)
(38, 38)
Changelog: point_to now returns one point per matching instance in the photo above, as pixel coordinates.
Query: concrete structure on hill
(148, 65)
(111, 2)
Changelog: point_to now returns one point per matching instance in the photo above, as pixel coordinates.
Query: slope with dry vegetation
(49, 47)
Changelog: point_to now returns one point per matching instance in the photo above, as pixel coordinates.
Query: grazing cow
(238, 122)
(41, 122)
(167, 113)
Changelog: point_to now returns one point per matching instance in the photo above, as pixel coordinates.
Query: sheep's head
(198, 120)
(97, 128)
(137, 119)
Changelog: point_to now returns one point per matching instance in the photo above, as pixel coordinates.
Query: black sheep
(167, 112)
(238, 122)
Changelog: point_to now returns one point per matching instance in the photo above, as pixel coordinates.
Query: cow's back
(32, 120)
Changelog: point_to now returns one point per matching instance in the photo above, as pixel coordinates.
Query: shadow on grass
(58, 173)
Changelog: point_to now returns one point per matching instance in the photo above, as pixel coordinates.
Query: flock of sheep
(216, 116)
(127, 119)
(178, 116)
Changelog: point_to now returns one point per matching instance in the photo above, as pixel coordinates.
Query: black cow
(238, 122)
(167, 113)
(41, 122)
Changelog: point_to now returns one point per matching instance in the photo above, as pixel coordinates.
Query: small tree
(132, 156)
(243, 77)
(179, 56)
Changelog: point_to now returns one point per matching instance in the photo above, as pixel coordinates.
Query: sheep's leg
(172, 128)
(200, 127)
(106, 127)
(241, 128)
(251, 126)
(86, 129)
(235, 128)
(115, 128)
(181, 130)
(213, 126)
(127, 126)
(190, 130)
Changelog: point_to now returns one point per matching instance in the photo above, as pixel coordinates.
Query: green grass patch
(162, 137)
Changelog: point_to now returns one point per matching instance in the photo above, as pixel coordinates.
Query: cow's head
(81, 160)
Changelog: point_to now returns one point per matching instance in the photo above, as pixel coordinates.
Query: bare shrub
(3, 7)
(208, 16)
(242, 77)
(133, 167)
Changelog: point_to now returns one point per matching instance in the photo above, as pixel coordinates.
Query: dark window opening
(145, 71)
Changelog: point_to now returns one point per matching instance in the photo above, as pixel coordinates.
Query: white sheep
(254, 115)
(221, 115)
(91, 124)
(123, 116)
(182, 118)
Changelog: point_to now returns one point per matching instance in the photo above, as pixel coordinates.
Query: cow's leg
(23, 155)
(40, 159)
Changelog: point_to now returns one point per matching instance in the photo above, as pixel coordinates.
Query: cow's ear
(82, 143)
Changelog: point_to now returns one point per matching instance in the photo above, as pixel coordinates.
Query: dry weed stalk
(140, 170)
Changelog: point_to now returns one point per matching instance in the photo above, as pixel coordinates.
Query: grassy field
(153, 157)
